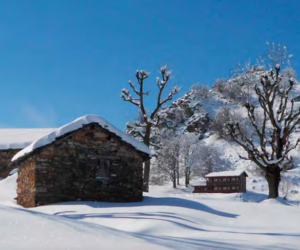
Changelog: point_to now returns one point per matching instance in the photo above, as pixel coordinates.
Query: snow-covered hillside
(166, 219)
(198, 113)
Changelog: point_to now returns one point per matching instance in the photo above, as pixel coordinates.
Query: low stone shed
(87, 159)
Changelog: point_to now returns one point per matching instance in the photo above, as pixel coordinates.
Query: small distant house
(13, 140)
(87, 159)
(223, 182)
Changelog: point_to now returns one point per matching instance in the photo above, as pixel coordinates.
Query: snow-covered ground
(166, 219)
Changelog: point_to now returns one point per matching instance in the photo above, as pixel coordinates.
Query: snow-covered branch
(128, 98)
(147, 122)
(273, 146)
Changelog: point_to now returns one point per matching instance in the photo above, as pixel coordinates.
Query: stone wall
(26, 184)
(66, 170)
(5, 158)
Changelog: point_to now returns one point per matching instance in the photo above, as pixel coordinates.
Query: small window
(103, 169)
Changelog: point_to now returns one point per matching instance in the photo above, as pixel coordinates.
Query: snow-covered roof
(77, 124)
(20, 138)
(226, 173)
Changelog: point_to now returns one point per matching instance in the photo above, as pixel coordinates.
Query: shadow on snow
(157, 201)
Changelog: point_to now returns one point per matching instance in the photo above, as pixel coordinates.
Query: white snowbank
(76, 124)
(23, 229)
(277, 201)
(8, 190)
(226, 173)
(20, 138)
(167, 218)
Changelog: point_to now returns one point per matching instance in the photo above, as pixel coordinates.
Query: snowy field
(166, 219)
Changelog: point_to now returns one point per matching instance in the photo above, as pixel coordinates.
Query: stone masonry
(66, 170)
(5, 157)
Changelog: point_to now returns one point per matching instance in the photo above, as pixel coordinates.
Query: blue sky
(63, 59)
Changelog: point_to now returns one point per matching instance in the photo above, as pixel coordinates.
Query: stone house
(87, 159)
(223, 182)
(14, 140)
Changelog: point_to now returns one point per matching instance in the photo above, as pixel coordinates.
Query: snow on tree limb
(147, 121)
(128, 98)
(274, 143)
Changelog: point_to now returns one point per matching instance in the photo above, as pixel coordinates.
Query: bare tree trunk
(147, 163)
(174, 184)
(146, 176)
(174, 178)
(187, 177)
(273, 178)
(177, 172)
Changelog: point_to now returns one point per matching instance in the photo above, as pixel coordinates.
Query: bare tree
(148, 120)
(270, 149)
(210, 160)
(287, 74)
(200, 91)
(231, 89)
(285, 186)
(190, 155)
(223, 117)
(169, 159)
(227, 115)
(278, 54)
(275, 54)
(219, 85)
